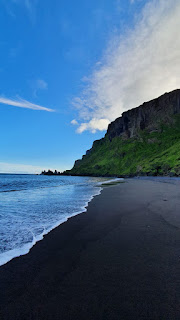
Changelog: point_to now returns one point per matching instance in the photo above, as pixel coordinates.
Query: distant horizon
(23, 172)
(10, 173)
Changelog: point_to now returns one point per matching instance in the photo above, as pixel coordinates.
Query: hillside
(144, 141)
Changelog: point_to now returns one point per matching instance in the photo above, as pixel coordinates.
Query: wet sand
(119, 260)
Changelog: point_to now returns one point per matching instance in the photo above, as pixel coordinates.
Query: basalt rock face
(148, 116)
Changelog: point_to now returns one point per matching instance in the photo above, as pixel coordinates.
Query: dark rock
(148, 116)
(88, 152)
(172, 174)
(77, 162)
(51, 173)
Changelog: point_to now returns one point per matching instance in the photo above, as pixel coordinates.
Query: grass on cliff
(156, 153)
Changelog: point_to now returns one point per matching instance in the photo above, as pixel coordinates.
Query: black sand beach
(120, 260)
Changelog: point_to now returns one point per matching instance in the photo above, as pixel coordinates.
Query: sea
(33, 205)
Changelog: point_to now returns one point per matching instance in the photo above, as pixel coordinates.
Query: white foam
(110, 181)
(7, 256)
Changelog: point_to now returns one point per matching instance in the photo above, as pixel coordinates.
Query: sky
(69, 68)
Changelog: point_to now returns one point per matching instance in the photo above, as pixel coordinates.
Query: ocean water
(32, 205)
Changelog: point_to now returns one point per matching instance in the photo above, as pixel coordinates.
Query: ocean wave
(52, 203)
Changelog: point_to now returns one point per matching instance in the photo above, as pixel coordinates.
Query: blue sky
(58, 67)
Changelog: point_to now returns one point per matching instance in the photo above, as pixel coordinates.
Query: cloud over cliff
(137, 66)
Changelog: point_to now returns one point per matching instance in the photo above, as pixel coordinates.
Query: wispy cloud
(41, 84)
(29, 5)
(21, 103)
(37, 85)
(137, 66)
(74, 122)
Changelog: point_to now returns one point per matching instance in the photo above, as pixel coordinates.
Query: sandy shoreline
(118, 260)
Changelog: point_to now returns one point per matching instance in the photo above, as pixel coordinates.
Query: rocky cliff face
(148, 116)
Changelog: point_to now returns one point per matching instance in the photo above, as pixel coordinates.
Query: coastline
(16, 253)
(119, 259)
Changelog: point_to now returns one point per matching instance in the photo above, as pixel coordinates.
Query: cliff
(148, 116)
(143, 141)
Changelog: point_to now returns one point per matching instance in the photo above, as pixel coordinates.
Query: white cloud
(74, 122)
(23, 104)
(93, 125)
(136, 67)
